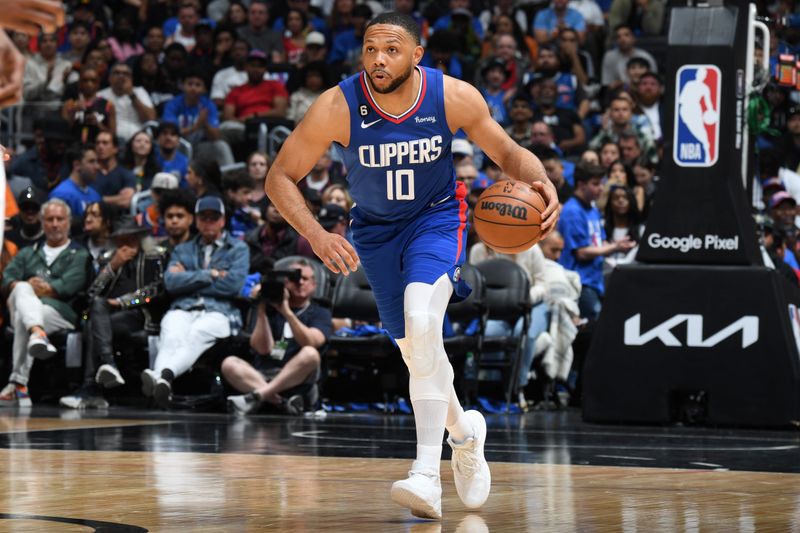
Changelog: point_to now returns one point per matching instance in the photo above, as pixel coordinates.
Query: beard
(396, 82)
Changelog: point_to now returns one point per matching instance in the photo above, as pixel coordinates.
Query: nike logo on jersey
(365, 125)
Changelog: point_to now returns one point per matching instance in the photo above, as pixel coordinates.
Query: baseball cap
(257, 54)
(481, 183)
(461, 147)
(315, 38)
(780, 197)
(210, 203)
(164, 180)
(165, 126)
(331, 214)
(32, 196)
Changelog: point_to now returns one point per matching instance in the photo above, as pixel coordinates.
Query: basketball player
(394, 122)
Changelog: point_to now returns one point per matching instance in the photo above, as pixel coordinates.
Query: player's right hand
(335, 252)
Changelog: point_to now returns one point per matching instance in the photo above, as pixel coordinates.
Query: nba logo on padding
(697, 105)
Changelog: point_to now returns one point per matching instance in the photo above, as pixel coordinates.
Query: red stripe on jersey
(405, 115)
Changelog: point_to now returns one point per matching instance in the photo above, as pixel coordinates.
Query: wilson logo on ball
(513, 211)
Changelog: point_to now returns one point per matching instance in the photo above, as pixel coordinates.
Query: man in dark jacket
(43, 281)
(130, 278)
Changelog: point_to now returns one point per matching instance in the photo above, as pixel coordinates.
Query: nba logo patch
(697, 105)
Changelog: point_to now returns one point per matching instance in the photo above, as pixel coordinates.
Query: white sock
(457, 424)
(429, 417)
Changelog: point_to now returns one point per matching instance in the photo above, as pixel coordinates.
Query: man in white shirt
(132, 104)
(233, 76)
(615, 61)
(44, 72)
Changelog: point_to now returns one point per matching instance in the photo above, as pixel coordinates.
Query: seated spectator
(176, 60)
(585, 243)
(257, 167)
(494, 75)
(43, 162)
(140, 159)
(177, 213)
(77, 191)
(196, 116)
(45, 72)
(25, 228)
(622, 221)
(466, 27)
(184, 34)
(258, 34)
(550, 20)
(224, 38)
(98, 223)
(565, 123)
(205, 275)
(273, 240)
(282, 363)
(149, 217)
(168, 157)
(122, 41)
(339, 195)
(620, 120)
(235, 12)
(334, 219)
(89, 114)
(233, 76)
(258, 98)
(520, 115)
(643, 18)
(554, 168)
(238, 187)
(130, 278)
(504, 48)
(644, 188)
(42, 281)
(648, 91)
(152, 77)
(636, 67)
(441, 53)
(294, 36)
(345, 53)
(609, 153)
(542, 134)
(303, 6)
(314, 81)
(570, 92)
(204, 177)
(615, 60)
(319, 178)
(132, 105)
(78, 38)
(114, 182)
(618, 174)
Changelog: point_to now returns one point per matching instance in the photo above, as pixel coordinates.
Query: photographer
(288, 339)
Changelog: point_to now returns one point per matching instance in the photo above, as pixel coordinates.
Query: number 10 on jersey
(400, 184)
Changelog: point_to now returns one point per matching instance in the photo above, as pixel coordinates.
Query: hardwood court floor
(257, 476)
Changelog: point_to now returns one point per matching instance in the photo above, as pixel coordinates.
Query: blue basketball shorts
(418, 250)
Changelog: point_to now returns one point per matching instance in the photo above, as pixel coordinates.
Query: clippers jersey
(397, 165)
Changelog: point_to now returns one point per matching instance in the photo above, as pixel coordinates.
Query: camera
(273, 282)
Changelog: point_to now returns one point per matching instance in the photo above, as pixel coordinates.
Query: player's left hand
(553, 209)
(32, 16)
(335, 252)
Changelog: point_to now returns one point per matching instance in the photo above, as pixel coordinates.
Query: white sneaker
(108, 376)
(470, 470)
(149, 379)
(421, 493)
(39, 347)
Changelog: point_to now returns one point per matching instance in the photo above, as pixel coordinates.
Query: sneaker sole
(162, 393)
(108, 379)
(418, 506)
(148, 384)
(40, 352)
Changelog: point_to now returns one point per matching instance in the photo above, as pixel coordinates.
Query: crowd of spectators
(136, 194)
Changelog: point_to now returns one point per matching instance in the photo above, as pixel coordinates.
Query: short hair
(114, 138)
(586, 171)
(543, 152)
(302, 261)
(194, 72)
(628, 135)
(651, 74)
(237, 180)
(80, 24)
(58, 202)
(77, 151)
(176, 198)
(393, 18)
(642, 62)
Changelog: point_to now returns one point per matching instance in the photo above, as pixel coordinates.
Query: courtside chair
(507, 299)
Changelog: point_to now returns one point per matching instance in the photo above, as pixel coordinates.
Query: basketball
(710, 117)
(508, 216)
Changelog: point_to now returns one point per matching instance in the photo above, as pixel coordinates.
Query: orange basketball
(508, 216)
